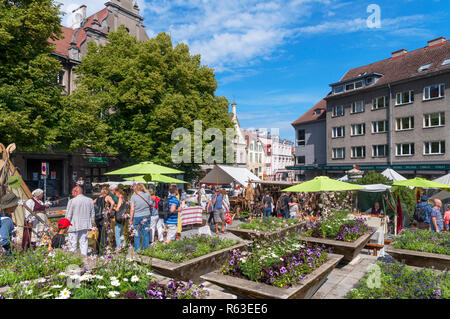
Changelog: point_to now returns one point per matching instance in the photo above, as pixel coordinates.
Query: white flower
(115, 283)
(40, 280)
(134, 278)
(51, 254)
(101, 287)
(47, 296)
(113, 294)
(56, 286)
(98, 277)
(29, 292)
(149, 274)
(64, 294)
(113, 278)
(125, 279)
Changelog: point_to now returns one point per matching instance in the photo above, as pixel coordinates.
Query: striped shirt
(173, 217)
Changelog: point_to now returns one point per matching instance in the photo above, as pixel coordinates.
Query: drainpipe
(391, 124)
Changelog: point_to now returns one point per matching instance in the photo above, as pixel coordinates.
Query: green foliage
(33, 264)
(142, 91)
(29, 93)
(423, 240)
(187, 248)
(397, 281)
(372, 177)
(269, 224)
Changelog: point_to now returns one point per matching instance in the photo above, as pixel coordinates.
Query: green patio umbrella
(420, 182)
(155, 178)
(144, 168)
(322, 184)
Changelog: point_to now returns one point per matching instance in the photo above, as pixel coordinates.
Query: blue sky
(277, 58)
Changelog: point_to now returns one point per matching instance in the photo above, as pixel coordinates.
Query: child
(447, 218)
(59, 239)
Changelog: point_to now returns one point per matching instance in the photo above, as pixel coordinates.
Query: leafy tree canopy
(142, 91)
(29, 93)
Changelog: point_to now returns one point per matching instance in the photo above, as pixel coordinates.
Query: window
(358, 84)
(338, 110)
(358, 152)
(434, 120)
(350, 86)
(405, 149)
(446, 62)
(338, 132)
(379, 150)
(339, 153)
(379, 127)
(405, 123)
(369, 80)
(380, 102)
(434, 148)
(338, 89)
(251, 157)
(424, 67)
(357, 107)
(301, 160)
(301, 138)
(61, 78)
(434, 92)
(405, 97)
(251, 146)
(358, 129)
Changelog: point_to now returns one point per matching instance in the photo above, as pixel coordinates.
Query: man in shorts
(219, 214)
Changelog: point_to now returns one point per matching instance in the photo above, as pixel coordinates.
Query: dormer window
(424, 67)
(358, 84)
(317, 112)
(350, 86)
(339, 89)
(369, 81)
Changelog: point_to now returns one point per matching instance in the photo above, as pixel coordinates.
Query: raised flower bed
(34, 264)
(272, 227)
(189, 258)
(422, 248)
(281, 268)
(115, 278)
(345, 236)
(397, 281)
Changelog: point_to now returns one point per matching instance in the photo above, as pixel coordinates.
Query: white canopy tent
(443, 179)
(393, 175)
(125, 183)
(221, 175)
(375, 188)
(343, 178)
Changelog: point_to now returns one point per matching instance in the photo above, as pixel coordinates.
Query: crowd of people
(428, 215)
(108, 218)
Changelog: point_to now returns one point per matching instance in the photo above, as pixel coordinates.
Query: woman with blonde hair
(140, 216)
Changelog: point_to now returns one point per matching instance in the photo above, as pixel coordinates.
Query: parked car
(191, 195)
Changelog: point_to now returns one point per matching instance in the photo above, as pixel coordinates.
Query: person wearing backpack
(99, 207)
(156, 223)
(422, 214)
(174, 208)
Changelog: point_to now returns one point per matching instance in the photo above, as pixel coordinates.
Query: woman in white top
(36, 229)
(294, 210)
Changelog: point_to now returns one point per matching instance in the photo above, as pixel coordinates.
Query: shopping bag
(205, 230)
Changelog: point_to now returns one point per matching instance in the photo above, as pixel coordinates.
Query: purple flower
(195, 293)
(283, 270)
(231, 262)
(190, 283)
(271, 279)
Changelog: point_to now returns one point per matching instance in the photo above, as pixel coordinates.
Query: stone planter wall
(191, 269)
(250, 289)
(348, 250)
(419, 258)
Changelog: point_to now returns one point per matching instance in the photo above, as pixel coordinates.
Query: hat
(113, 187)
(64, 223)
(37, 192)
(424, 198)
(8, 201)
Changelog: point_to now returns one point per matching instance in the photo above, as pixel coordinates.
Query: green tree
(29, 92)
(142, 91)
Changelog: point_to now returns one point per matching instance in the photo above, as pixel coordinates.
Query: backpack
(98, 208)
(120, 214)
(164, 208)
(420, 213)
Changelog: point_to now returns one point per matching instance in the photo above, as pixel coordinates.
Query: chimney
(436, 41)
(399, 53)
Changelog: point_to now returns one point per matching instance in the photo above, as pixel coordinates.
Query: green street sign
(97, 160)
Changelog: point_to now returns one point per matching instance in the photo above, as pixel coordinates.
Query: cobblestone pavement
(344, 277)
